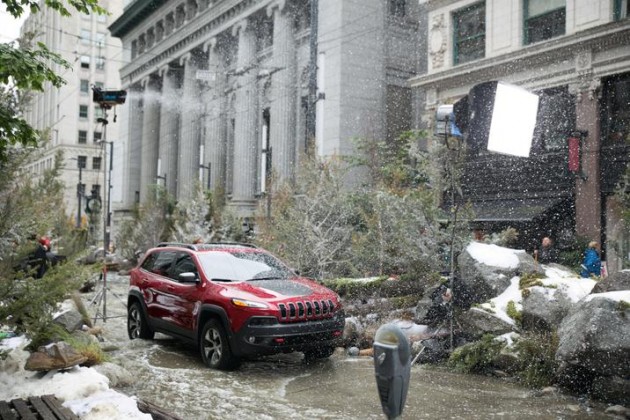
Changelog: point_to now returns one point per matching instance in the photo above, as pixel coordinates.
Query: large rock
(612, 389)
(594, 340)
(545, 308)
(479, 322)
(486, 270)
(614, 282)
(70, 320)
(54, 356)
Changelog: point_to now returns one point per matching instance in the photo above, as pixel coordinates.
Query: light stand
(107, 99)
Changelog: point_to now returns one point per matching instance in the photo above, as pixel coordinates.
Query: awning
(524, 210)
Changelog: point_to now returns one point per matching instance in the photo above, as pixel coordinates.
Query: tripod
(100, 298)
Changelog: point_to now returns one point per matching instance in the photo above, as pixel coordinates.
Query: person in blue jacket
(592, 264)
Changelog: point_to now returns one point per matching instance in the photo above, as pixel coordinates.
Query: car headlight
(249, 304)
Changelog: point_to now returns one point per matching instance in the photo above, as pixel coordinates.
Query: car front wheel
(214, 347)
(137, 325)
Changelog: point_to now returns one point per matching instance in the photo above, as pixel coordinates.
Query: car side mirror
(188, 277)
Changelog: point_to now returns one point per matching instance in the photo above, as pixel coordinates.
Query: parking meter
(392, 366)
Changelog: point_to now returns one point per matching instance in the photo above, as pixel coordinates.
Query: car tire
(214, 347)
(318, 353)
(137, 325)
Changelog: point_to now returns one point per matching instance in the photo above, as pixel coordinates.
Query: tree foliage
(28, 67)
(386, 225)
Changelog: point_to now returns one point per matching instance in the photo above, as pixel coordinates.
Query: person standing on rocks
(592, 264)
(547, 252)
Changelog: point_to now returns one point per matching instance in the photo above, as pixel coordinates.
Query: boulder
(545, 308)
(617, 281)
(478, 322)
(70, 320)
(486, 270)
(54, 356)
(612, 389)
(118, 376)
(594, 340)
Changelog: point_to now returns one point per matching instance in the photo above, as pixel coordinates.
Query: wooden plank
(60, 411)
(41, 408)
(23, 409)
(5, 411)
(156, 412)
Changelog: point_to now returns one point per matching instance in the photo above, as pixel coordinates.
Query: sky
(9, 26)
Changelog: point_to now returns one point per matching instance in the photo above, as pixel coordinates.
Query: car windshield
(242, 266)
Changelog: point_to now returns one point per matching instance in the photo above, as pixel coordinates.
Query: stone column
(588, 191)
(283, 98)
(150, 135)
(134, 146)
(188, 161)
(215, 149)
(169, 130)
(245, 131)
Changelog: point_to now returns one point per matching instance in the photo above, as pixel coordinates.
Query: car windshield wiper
(266, 278)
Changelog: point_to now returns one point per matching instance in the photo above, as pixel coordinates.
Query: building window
(469, 33)
(85, 36)
(397, 8)
(82, 161)
(97, 136)
(82, 137)
(615, 110)
(100, 63)
(556, 118)
(543, 19)
(621, 9)
(99, 41)
(101, 18)
(85, 86)
(85, 61)
(96, 190)
(96, 163)
(98, 111)
(83, 111)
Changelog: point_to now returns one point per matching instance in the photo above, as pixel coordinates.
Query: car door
(154, 283)
(182, 294)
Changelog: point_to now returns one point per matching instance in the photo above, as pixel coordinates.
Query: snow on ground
(494, 255)
(83, 390)
(573, 286)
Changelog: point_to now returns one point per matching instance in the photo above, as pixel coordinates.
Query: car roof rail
(176, 244)
(243, 244)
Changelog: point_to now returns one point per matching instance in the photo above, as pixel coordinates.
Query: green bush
(514, 313)
(476, 357)
(537, 363)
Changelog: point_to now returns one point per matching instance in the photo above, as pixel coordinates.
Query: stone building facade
(575, 54)
(68, 113)
(218, 88)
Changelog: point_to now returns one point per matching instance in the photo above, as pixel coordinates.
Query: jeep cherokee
(231, 301)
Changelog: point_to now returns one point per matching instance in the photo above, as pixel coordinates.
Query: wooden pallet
(46, 407)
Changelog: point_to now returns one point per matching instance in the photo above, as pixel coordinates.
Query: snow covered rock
(594, 340)
(486, 270)
(614, 282)
(70, 320)
(544, 309)
(478, 321)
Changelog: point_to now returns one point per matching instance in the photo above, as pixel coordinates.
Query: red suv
(232, 301)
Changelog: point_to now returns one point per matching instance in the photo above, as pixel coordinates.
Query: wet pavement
(171, 375)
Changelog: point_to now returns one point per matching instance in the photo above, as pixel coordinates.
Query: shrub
(476, 357)
(514, 313)
(530, 280)
(537, 363)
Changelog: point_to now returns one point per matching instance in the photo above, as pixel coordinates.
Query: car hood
(275, 288)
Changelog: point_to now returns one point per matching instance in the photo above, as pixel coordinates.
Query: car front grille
(305, 310)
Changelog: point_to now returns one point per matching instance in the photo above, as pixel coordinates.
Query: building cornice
(535, 56)
(135, 13)
(189, 37)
